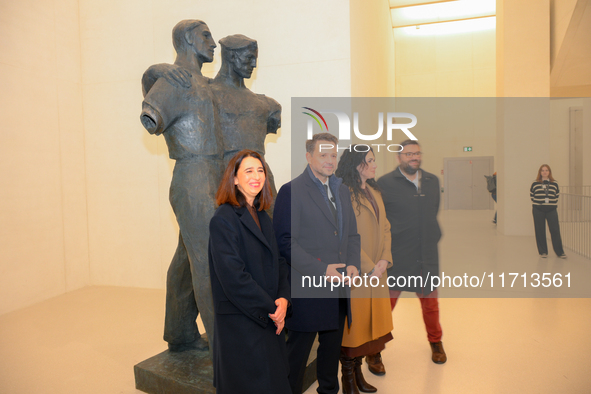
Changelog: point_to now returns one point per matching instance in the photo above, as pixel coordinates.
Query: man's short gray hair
(311, 144)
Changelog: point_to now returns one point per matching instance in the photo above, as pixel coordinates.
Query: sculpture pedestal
(190, 372)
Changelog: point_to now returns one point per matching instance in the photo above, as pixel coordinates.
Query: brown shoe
(348, 378)
(439, 356)
(375, 365)
(362, 384)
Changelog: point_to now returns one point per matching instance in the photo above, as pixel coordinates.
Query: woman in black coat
(249, 284)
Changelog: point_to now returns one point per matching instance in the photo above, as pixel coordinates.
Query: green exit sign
(467, 149)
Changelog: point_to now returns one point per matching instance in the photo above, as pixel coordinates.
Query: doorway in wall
(464, 182)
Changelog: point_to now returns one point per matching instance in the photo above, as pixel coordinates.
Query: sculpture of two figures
(204, 122)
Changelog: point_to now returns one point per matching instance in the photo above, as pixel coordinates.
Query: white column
(523, 125)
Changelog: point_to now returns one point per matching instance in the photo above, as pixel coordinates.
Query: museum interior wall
(561, 12)
(373, 60)
(447, 65)
(85, 187)
(43, 235)
(523, 131)
(570, 48)
(453, 64)
(587, 141)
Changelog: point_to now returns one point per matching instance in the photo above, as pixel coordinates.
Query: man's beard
(408, 169)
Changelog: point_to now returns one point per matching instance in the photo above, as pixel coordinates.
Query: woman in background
(544, 193)
(372, 323)
(249, 284)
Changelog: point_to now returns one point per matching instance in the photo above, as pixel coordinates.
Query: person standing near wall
(411, 197)
(544, 193)
(491, 186)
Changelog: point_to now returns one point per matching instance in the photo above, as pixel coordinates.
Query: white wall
(587, 141)
(560, 137)
(451, 65)
(43, 231)
(561, 12)
(373, 60)
(523, 127)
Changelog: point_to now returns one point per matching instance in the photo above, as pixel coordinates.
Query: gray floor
(87, 341)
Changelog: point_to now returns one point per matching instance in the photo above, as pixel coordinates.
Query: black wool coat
(247, 276)
(414, 227)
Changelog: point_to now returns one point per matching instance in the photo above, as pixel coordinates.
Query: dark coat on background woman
(247, 276)
(415, 230)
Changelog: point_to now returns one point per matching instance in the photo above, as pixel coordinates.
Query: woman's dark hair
(347, 169)
(228, 192)
(550, 177)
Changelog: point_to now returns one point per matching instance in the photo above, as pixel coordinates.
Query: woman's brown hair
(550, 177)
(228, 192)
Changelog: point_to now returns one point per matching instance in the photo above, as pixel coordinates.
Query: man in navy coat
(316, 232)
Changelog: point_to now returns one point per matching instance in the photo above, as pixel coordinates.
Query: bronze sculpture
(240, 120)
(188, 119)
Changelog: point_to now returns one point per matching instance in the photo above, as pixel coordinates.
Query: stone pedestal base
(190, 372)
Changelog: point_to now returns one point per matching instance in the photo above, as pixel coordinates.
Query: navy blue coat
(309, 239)
(247, 276)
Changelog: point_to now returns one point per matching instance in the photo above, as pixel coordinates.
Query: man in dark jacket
(316, 232)
(411, 197)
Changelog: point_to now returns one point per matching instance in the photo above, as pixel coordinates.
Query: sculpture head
(241, 53)
(193, 35)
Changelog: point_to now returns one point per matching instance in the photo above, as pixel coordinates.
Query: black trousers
(299, 345)
(541, 215)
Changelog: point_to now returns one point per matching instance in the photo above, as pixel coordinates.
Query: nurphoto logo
(344, 128)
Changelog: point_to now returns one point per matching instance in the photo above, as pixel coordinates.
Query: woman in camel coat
(370, 305)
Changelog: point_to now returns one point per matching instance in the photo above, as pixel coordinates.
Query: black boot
(348, 378)
(360, 380)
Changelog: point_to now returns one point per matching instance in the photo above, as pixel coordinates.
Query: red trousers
(430, 308)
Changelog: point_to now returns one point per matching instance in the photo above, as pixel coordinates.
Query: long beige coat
(370, 306)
